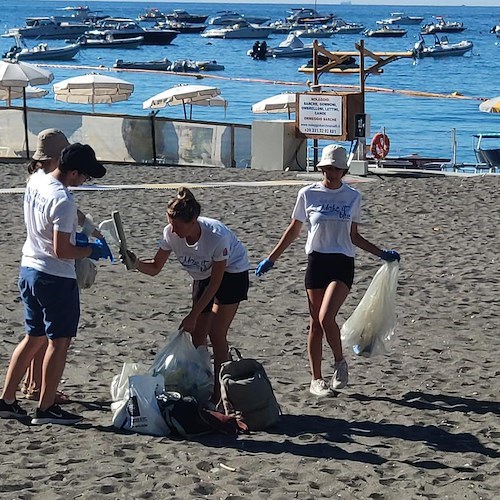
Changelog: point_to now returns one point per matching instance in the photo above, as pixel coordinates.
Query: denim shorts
(232, 290)
(51, 304)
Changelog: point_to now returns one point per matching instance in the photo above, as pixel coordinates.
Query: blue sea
(414, 124)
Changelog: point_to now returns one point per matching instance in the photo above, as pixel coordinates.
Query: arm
(290, 234)
(153, 266)
(218, 270)
(362, 243)
(65, 250)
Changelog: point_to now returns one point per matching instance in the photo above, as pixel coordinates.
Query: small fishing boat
(442, 26)
(41, 52)
(98, 40)
(386, 32)
(401, 19)
(441, 48)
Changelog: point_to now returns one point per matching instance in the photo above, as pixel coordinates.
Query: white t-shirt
(328, 214)
(216, 243)
(48, 205)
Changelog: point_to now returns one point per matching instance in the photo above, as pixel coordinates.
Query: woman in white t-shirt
(331, 210)
(218, 263)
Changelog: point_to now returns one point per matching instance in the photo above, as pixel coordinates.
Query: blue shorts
(51, 304)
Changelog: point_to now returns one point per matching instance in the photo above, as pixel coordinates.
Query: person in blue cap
(47, 281)
(331, 210)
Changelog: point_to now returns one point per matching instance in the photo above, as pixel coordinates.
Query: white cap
(333, 155)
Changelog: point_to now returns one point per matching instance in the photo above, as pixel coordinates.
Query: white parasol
(17, 76)
(93, 89)
(491, 105)
(185, 94)
(280, 103)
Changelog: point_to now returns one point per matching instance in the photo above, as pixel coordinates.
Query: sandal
(60, 398)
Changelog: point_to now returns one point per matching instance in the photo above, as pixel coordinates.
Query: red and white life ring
(380, 146)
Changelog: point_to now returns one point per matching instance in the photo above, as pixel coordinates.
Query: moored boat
(179, 66)
(442, 26)
(241, 29)
(401, 19)
(98, 40)
(41, 52)
(47, 27)
(441, 48)
(386, 32)
(292, 46)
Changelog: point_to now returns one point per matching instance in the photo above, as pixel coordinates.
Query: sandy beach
(421, 422)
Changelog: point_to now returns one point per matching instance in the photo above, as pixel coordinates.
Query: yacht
(400, 18)
(228, 17)
(47, 27)
(241, 29)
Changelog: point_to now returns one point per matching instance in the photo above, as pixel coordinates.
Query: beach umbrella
(17, 76)
(280, 103)
(93, 89)
(491, 105)
(183, 94)
(17, 92)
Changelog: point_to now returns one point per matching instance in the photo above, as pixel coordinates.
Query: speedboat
(386, 32)
(229, 17)
(181, 26)
(151, 15)
(41, 52)
(97, 40)
(47, 27)
(441, 48)
(442, 26)
(292, 46)
(242, 29)
(182, 16)
(307, 16)
(401, 19)
(315, 32)
(341, 27)
(128, 28)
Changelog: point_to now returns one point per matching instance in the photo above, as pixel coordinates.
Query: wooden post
(362, 77)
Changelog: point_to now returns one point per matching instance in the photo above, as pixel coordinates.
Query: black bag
(247, 393)
(186, 418)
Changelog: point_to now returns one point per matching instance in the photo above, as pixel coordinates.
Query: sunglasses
(87, 176)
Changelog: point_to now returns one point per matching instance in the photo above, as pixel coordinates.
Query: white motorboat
(292, 46)
(41, 52)
(341, 27)
(442, 26)
(441, 48)
(47, 27)
(97, 40)
(401, 19)
(315, 32)
(229, 17)
(242, 29)
(386, 32)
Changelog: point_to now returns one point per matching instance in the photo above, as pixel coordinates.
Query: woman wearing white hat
(331, 209)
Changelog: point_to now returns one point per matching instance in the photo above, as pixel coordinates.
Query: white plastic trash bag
(185, 369)
(86, 272)
(140, 412)
(119, 385)
(373, 321)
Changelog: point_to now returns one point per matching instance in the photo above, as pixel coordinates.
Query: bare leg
(19, 362)
(315, 337)
(52, 370)
(222, 317)
(334, 297)
(33, 381)
(200, 333)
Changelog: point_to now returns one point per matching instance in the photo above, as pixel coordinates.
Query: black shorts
(324, 268)
(232, 290)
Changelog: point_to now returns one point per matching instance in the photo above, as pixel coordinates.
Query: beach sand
(421, 422)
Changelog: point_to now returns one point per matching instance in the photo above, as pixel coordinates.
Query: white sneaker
(319, 388)
(340, 376)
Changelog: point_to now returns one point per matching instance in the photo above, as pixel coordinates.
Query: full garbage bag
(185, 368)
(373, 322)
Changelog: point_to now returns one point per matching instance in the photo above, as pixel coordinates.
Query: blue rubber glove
(82, 240)
(390, 255)
(264, 266)
(100, 250)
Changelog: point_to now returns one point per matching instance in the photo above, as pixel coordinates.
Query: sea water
(414, 124)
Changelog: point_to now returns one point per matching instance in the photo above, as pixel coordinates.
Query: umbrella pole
(153, 136)
(184, 108)
(25, 116)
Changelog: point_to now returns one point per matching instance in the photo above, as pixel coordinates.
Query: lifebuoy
(380, 146)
